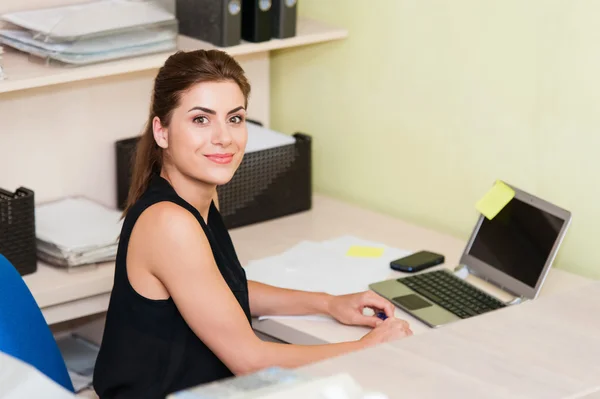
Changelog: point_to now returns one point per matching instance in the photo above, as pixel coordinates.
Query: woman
(180, 310)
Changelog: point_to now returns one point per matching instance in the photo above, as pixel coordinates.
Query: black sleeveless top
(148, 350)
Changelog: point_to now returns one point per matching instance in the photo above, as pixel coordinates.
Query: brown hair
(180, 72)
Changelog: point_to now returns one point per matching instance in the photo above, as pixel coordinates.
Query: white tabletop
(547, 348)
(65, 295)
(331, 218)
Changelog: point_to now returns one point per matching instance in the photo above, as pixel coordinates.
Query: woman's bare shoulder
(168, 224)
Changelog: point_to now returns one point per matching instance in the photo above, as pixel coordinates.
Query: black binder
(256, 20)
(285, 15)
(216, 21)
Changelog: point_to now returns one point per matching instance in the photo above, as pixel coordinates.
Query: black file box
(268, 184)
(17, 229)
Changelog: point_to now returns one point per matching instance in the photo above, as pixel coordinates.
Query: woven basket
(269, 184)
(17, 229)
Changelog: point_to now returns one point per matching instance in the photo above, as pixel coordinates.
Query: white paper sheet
(19, 380)
(77, 224)
(261, 138)
(72, 21)
(324, 267)
(94, 46)
(88, 58)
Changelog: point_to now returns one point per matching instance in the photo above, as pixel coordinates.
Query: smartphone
(416, 262)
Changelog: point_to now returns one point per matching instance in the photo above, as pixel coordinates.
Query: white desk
(331, 218)
(65, 296)
(547, 348)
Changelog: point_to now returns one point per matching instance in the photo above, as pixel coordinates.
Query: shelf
(21, 73)
(51, 285)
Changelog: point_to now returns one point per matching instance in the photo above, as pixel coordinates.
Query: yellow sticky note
(359, 251)
(495, 200)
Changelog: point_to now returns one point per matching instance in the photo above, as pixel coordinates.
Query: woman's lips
(221, 159)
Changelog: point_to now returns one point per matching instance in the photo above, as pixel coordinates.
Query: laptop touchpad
(412, 302)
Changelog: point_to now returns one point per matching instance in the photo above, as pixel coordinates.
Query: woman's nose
(222, 136)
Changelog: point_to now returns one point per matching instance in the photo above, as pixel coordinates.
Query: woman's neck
(194, 192)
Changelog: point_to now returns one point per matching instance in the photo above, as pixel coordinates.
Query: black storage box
(17, 229)
(268, 184)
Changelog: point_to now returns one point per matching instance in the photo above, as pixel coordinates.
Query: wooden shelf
(21, 73)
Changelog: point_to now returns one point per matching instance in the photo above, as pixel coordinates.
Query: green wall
(427, 103)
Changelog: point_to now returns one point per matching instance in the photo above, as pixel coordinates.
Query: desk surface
(547, 348)
(67, 295)
(330, 218)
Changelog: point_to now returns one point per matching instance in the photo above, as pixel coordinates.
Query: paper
(80, 358)
(260, 138)
(75, 231)
(74, 21)
(77, 223)
(358, 251)
(94, 46)
(495, 200)
(278, 383)
(19, 380)
(88, 58)
(255, 385)
(324, 267)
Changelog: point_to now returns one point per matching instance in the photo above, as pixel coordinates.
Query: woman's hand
(348, 309)
(389, 330)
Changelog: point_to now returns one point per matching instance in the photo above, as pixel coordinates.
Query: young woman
(180, 309)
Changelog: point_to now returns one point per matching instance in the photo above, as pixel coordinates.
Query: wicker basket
(125, 155)
(17, 229)
(268, 184)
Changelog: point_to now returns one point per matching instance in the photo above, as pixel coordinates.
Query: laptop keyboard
(452, 293)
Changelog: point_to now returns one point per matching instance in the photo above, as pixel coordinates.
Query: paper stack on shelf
(93, 32)
(76, 231)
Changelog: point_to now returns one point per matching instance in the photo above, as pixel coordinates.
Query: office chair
(24, 333)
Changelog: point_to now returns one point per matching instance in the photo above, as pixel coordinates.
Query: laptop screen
(518, 241)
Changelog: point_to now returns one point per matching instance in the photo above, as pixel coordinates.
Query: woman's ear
(161, 133)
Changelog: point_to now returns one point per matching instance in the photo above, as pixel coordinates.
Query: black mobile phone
(416, 262)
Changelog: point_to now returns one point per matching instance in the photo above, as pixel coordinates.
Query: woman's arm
(179, 255)
(269, 300)
(347, 309)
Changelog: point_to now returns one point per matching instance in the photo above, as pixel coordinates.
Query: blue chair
(24, 333)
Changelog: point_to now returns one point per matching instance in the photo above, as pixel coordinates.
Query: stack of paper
(278, 383)
(92, 32)
(340, 266)
(261, 139)
(76, 231)
(80, 357)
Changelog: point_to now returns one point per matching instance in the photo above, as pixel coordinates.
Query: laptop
(514, 252)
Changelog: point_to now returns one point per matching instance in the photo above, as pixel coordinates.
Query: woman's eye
(236, 119)
(201, 119)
